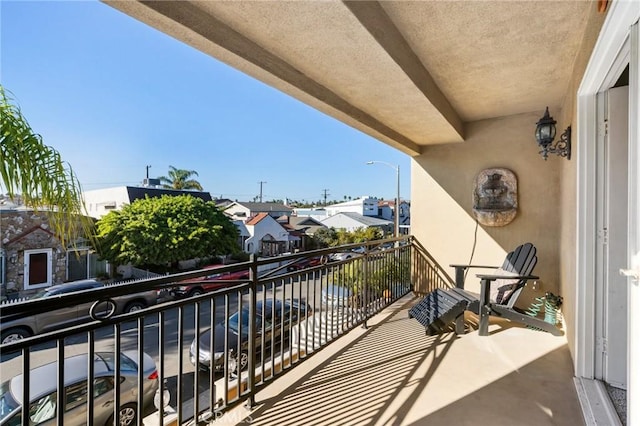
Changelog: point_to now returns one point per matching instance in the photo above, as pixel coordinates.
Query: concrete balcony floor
(393, 374)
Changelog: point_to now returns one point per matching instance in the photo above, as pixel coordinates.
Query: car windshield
(40, 294)
(233, 322)
(7, 404)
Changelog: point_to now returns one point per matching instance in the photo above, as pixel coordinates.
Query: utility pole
(325, 193)
(261, 182)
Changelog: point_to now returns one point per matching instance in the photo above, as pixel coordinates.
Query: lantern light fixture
(546, 133)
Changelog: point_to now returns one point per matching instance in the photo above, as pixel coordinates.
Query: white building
(315, 213)
(365, 206)
(99, 202)
(350, 221)
(371, 207)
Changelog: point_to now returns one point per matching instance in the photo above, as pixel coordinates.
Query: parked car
(16, 329)
(306, 262)
(287, 315)
(335, 296)
(337, 257)
(213, 281)
(43, 391)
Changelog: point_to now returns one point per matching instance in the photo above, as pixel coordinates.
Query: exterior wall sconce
(546, 133)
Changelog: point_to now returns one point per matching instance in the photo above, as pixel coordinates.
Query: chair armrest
(474, 266)
(460, 269)
(484, 277)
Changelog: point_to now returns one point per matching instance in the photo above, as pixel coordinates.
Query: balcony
(392, 374)
(332, 340)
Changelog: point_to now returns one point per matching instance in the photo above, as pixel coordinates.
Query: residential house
(304, 227)
(243, 233)
(350, 221)
(243, 210)
(99, 202)
(460, 87)
(266, 236)
(360, 209)
(223, 203)
(387, 209)
(32, 257)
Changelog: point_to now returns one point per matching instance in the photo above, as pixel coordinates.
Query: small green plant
(379, 280)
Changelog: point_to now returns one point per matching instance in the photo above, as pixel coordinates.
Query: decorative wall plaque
(495, 197)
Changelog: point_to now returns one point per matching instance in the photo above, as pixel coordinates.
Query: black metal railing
(210, 351)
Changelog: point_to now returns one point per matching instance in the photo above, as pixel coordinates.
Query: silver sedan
(43, 405)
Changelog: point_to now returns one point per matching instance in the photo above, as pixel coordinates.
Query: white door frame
(616, 47)
(27, 257)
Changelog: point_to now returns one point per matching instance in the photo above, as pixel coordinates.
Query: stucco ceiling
(408, 73)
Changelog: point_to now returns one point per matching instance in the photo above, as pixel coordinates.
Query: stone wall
(26, 230)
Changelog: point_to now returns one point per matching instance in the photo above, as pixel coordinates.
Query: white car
(335, 296)
(337, 257)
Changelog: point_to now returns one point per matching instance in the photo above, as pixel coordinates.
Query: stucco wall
(442, 179)
(442, 187)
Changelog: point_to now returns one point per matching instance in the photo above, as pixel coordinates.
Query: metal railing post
(251, 379)
(365, 286)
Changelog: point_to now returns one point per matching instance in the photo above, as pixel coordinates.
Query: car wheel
(14, 334)
(128, 415)
(134, 306)
(241, 363)
(195, 292)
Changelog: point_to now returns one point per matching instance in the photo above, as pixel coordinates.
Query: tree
(164, 230)
(35, 172)
(180, 179)
(332, 237)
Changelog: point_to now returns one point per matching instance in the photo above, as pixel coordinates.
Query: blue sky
(114, 95)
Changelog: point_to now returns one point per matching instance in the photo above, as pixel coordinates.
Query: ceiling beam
(376, 21)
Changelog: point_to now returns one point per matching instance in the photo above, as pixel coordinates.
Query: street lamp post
(396, 215)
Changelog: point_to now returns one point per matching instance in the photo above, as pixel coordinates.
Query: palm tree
(36, 173)
(179, 179)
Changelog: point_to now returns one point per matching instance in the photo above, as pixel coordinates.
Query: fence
(213, 350)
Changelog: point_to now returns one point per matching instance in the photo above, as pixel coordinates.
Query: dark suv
(16, 329)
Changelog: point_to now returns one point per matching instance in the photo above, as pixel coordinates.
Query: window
(102, 385)
(126, 363)
(76, 395)
(83, 263)
(43, 409)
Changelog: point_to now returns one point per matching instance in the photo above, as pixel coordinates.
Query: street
(309, 289)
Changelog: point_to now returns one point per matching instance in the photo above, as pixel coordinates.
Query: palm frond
(38, 174)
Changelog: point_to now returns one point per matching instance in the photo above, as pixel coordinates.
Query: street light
(396, 216)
